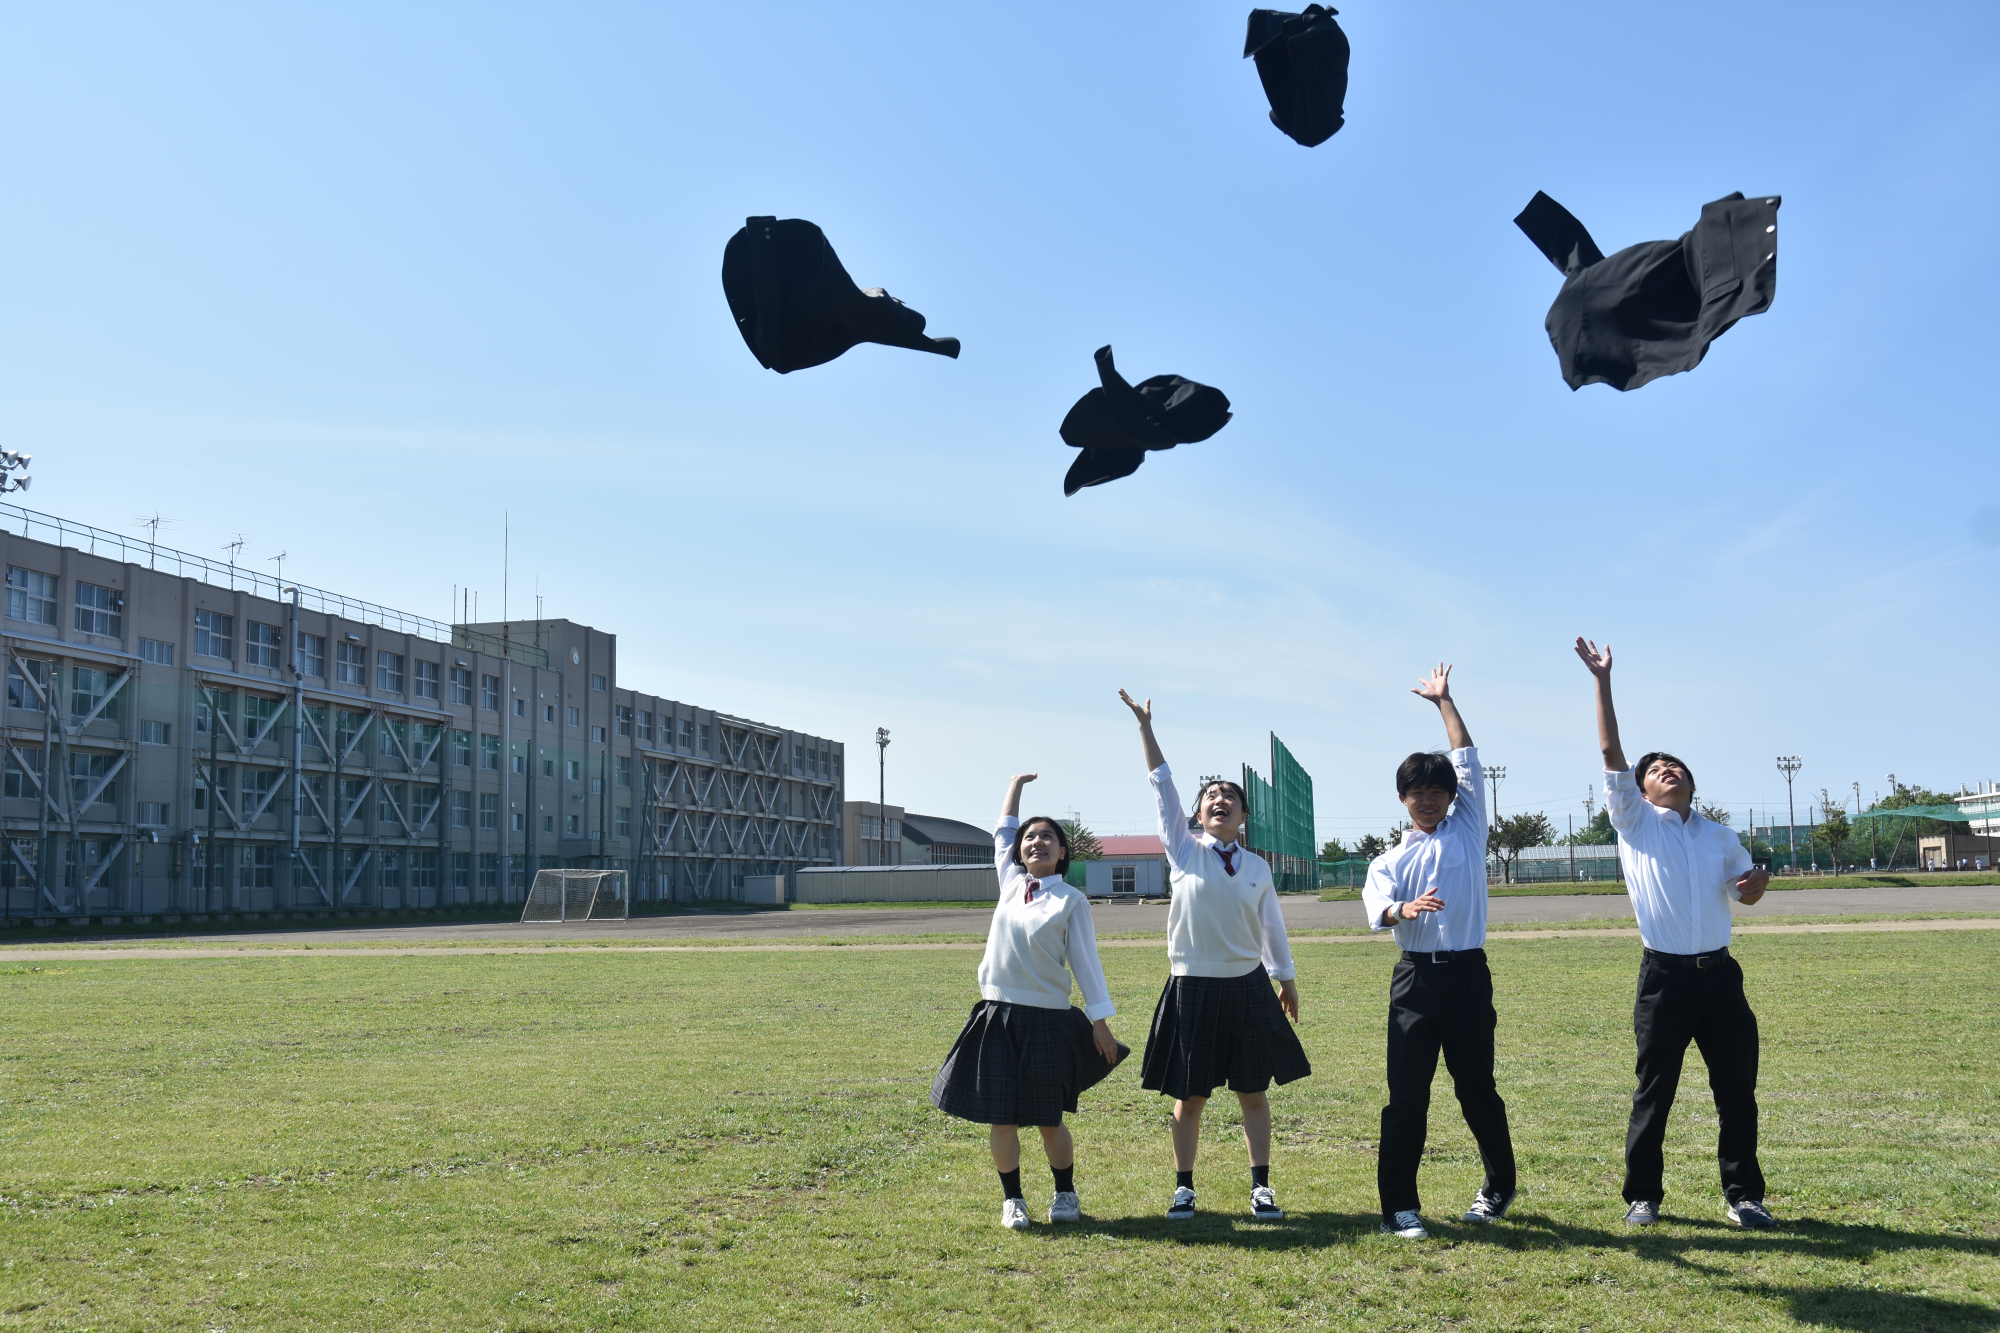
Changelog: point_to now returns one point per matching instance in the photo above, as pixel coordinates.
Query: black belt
(1445, 956)
(1699, 961)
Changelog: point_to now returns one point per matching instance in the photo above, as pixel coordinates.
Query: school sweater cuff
(1097, 1013)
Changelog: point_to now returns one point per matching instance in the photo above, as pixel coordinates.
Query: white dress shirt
(1041, 935)
(1681, 874)
(1450, 860)
(1218, 924)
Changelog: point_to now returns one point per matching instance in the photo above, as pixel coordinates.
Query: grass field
(1942, 879)
(717, 1140)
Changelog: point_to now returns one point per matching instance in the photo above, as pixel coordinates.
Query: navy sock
(1260, 1175)
(1183, 1180)
(1065, 1177)
(1010, 1184)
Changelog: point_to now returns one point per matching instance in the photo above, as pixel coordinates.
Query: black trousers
(1679, 1003)
(1440, 1007)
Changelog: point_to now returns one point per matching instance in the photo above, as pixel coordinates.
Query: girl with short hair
(1217, 1020)
(1026, 1052)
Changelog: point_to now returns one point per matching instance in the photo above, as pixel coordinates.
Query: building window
(548, 768)
(597, 683)
(20, 694)
(575, 718)
(224, 703)
(597, 735)
(548, 823)
(704, 738)
(1124, 879)
(548, 712)
(260, 867)
(489, 693)
(461, 809)
(97, 611)
(155, 733)
(389, 802)
(312, 654)
(521, 764)
(572, 825)
(31, 596)
(489, 870)
(427, 680)
(461, 870)
(214, 634)
(520, 822)
(387, 733)
(461, 749)
(597, 786)
(260, 644)
(85, 772)
(574, 769)
(623, 827)
(391, 870)
(87, 688)
(389, 672)
(152, 650)
(645, 725)
(461, 686)
(352, 663)
(154, 813)
(489, 810)
(256, 712)
(489, 753)
(621, 766)
(624, 716)
(798, 758)
(24, 781)
(520, 708)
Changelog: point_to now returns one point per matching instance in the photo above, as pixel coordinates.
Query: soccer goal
(578, 895)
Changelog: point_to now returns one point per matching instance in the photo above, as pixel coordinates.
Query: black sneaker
(1488, 1206)
(1644, 1213)
(1751, 1215)
(1182, 1207)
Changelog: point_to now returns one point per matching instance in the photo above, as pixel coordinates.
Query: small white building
(1132, 867)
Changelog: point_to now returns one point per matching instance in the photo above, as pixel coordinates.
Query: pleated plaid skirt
(1209, 1031)
(1015, 1064)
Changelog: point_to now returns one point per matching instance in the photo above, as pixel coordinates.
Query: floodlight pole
(1494, 775)
(1789, 765)
(882, 793)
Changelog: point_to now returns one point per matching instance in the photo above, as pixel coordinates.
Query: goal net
(577, 895)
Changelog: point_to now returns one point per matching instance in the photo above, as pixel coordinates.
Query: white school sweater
(1034, 946)
(1218, 924)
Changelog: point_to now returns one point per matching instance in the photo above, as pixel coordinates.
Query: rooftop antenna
(153, 523)
(234, 548)
(279, 558)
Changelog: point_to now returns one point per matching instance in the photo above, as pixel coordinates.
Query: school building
(183, 736)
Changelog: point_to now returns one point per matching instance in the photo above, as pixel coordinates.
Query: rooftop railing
(222, 574)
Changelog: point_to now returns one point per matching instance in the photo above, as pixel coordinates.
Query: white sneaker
(1488, 1207)
(1264, 1204)
(1014, 1215)
(1182, 1208)
(1065, 1207)
(1407, 1225)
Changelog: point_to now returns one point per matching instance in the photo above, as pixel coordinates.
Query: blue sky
(354, 282)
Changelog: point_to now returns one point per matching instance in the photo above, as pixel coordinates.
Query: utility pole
(1790, 765)
(882, 792)
(1495, 773)
(1589, 803)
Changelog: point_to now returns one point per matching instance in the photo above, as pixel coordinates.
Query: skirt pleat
(1015, 1064)
(1212, 1031)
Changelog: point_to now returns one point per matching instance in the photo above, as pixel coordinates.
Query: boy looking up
(1681, 870)
(1431, 890)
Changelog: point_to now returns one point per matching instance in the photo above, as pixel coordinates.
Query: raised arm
(1010, 808)
(1436, 687)
(1144, 712)
(1607, 717)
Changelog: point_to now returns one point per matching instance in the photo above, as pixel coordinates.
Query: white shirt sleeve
(1623, 803)
(1085, 966)
(1277, 945)
(1470, 803)
(1736, 860)
(1174, 836)
(1378, 892)
(1003, 851)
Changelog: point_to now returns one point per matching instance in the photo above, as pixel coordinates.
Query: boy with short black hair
(1431, 889)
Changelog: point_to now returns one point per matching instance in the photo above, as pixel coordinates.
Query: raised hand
(1023, 779)
(1144, 712)
(1599, 663)
(1435, 687)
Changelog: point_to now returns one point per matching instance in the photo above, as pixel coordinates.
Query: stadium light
(882, 792)
(1495, 773)
(1789, 765)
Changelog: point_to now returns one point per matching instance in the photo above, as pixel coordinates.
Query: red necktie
(1029, 896)
(1228, 855)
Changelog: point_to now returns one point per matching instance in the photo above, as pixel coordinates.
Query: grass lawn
(1912, 880)
(707, 1140)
